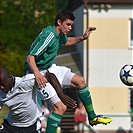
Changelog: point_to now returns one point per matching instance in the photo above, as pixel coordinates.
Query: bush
(21, 21)
(13, 61)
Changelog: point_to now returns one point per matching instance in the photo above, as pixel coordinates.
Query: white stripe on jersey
(48, 39)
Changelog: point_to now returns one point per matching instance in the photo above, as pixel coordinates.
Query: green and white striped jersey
(45, 48)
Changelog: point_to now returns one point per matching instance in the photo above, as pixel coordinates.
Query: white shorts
(63, 74)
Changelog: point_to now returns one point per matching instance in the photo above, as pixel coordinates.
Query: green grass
(3, 113)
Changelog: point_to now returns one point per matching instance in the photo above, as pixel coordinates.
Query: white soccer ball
(126, 74)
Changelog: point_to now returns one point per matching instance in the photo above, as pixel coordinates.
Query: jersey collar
(57, 36)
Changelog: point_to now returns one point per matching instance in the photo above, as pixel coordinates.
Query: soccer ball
(126, 75)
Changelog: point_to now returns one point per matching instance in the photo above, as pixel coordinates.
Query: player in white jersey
(19, 94)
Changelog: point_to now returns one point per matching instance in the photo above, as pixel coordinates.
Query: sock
(53, 122)
(85, 97)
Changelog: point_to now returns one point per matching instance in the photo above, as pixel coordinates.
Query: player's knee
(60, 108)
(64, 108)
(81, 82)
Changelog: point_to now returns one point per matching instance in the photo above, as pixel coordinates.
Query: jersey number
(46, 95)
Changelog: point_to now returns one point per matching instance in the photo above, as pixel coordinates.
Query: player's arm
(75, 40)
(41, 80)
(52, 79)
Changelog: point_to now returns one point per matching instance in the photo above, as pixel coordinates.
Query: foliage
(14, 61)
(21, 21)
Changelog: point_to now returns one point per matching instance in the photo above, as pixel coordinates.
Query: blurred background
(99, 59)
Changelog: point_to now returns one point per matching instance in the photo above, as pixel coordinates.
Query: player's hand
(52, 79)
(88, 31)
(68, 101)
(41, 80)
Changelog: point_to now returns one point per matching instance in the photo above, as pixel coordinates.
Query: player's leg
(55, 117)
(85, 96)
(49, 94)
(66, 77)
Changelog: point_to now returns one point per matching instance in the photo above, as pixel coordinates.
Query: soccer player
(19, 94)
(41, 57)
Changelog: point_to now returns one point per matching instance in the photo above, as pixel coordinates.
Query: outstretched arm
(75, 40)
(52, 79)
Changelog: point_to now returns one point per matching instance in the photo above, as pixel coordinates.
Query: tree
(21, 21)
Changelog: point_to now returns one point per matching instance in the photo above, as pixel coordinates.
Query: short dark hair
(64, 15)
(4, 73)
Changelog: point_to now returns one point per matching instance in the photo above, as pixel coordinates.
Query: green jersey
(45, 48)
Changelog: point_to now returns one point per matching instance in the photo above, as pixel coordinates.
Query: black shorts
(7, 128)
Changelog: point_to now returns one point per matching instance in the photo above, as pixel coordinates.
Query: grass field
(3, 113)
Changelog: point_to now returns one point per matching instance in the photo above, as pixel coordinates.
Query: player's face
(66, 26)
(7, 84)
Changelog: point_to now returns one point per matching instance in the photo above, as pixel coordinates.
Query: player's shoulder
(48, 30)
(18, 80)
(25, 81)
(28, 78)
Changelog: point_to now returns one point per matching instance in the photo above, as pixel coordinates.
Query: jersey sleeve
(41, 43)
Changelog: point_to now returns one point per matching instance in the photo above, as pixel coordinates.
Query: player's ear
(10, 76)
(59, 22)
